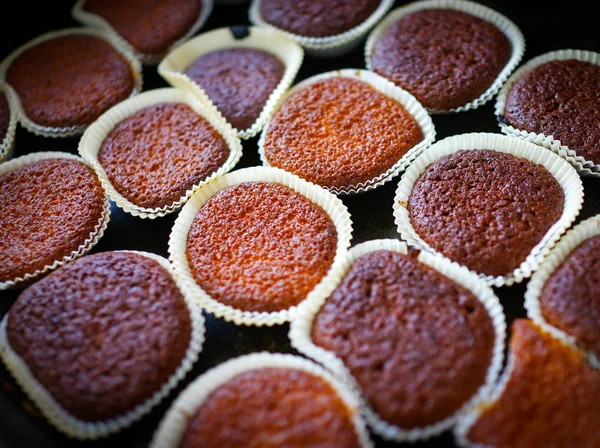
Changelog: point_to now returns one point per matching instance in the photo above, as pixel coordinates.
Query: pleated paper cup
(93, 138)
(174, 65)
(501, 22)
(84, 248)
(173, 426)
(565, 175)
(382, 85)
(301, 330)
(48, 131)
(584, 167)
(574, 238)
(88, 18)
(330, 46)
(178, 240)
(7, 144)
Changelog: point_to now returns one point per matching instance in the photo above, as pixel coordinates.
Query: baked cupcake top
(150, 26)
(272, 407)
(550, 400)
(561, 99)
(339, 132)
(445, 58)
(49, 209)
(102, 334)
(4, 116)
(485, 209)
(260, 246)
(570, 299)
(70, 80)
(418, 344)
(317, 19)
(158, 153)
(239, 81)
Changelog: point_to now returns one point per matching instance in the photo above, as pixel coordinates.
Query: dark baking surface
(546, 27)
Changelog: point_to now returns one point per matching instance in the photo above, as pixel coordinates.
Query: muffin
(52, 210)
(340, 133)
(549, 400)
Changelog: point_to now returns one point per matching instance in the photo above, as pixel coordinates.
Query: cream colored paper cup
(301, 329)
(47, 131)
(174, 65)
(566, 176)
(93, 138)
(87, 18)
(85, 247)
(174, 424)
(7, 144)
(584, 167)
(178, 239)
(501, 22)
(382, 85)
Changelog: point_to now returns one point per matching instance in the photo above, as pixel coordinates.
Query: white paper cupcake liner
(175, 64)
(85, 247)
(501, 22)
(329, 46)
(174, 424)
(178, 239)
(80, 429)
(47, 131)
(87, 18)
(8, 142)
(301, 329)
(94, 137)
(583, 166)
(382, 85)
(566, 176)
(574, 237)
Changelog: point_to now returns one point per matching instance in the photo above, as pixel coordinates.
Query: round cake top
(550, 400)
(485, 209)
(155, 155)
(317, 19)
(4, 116)
(260, 246)
(418, 344)
(49, 209)
(70, 80)
(150, 26)
(239, 81)
(339, 132)
(562, 99)
(445, 58)
(272, 407)
(102, 334)
(570, 299)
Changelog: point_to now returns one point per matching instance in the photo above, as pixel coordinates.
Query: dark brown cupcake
(272, 407)
(4, 116)
(339, 132)
(260, 246)
(445, 58)
(418, 344)
(155, 155)
(49, 209)
(485, 209)
(102, 334)
(239, 81)
(561, 99)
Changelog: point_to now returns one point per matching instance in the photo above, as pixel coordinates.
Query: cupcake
(65, 80)
(346, 131)
(251, 245)
(8, 120)
(451, 55)
(153, 150)
(150, 27)
(53, 210)
(100, 341)
(549, 398)
(421, 339)
(264, 400)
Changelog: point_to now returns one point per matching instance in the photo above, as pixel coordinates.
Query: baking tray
(545, 28)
